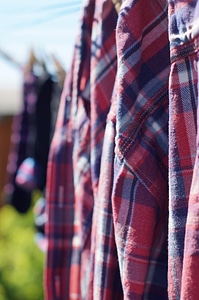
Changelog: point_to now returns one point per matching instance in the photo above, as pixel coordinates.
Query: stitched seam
(128, 141)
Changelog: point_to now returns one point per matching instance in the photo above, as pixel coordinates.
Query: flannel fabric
(59, 201)
(183, 154)
(105, 282)
(22, 142)
(107, 225)
(103, 74)
(81, 126)
(29, 174)
(92, 81)
(63, 269)
(102, 69)
(140, 184)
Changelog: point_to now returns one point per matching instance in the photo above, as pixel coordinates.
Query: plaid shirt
(75, 154)
(22, 143)
(60, 213)
(140, 185)
(105, 274)
(183, 182)
(103, 73)
(63, 227)
(83, 194)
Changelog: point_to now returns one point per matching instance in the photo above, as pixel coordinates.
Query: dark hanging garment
(43, 127)
(31, 173)
(22, 144)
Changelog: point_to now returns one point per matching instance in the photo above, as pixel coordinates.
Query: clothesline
(47, 17)
(39, 16)
(36, 7)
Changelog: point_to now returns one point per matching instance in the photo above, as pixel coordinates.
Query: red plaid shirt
(105, 281)
(183, 158)
(60, 202)
(140, 184)
(75, 155)
(131, 212)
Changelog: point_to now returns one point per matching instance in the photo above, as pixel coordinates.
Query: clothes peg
(60, 70)
(117, 4)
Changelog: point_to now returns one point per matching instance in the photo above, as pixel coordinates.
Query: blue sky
(34, 22)
(50, 25)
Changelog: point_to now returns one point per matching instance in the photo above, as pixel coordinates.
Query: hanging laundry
(60, 200)
(22, 141)
(183, 151)
(122, 174)
(31, 173)
(32, 132)
(93, 78)
(103, 76)
(139, 118)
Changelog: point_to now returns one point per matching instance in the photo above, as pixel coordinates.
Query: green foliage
(21, 262)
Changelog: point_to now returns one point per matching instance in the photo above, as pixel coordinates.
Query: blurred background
(47, 29)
